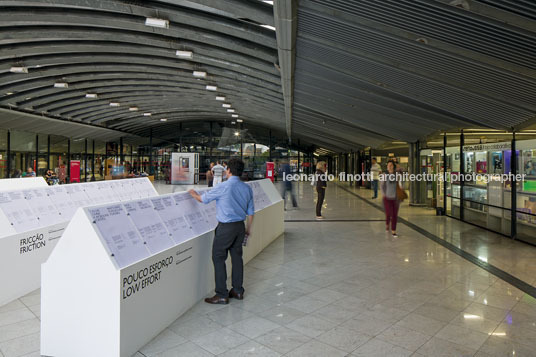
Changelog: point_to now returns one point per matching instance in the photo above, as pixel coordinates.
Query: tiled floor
(339, 289)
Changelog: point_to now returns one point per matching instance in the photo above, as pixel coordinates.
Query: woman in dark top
(321, 184)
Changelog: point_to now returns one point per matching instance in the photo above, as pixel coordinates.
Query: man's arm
(248, 224)
(195, 195)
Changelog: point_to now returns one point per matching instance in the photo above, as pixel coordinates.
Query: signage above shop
(488, 147)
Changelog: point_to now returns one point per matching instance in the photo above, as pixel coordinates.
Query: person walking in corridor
(320, 183)
(375, 170)
(390, 199)
(234, 202)
(288, 185)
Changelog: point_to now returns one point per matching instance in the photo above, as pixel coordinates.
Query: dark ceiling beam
(285, 18)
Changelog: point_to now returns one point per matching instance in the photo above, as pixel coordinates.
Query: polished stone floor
(339, 288)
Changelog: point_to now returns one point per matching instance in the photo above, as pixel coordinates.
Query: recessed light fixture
(233, 122)
(234, 115)
(239, 120)
(212, 88)
(61, 85)
(200, 74)
(268, 27)
(9, 93)
(154, 22)
(163, 119)
(237, 133)
(269, 2)
(185, 54)
(147, 114)
(133, 109)
(18, 69)
(92, 95)
(114, 104)
(221, 99)
(226, 105)
(230, 110)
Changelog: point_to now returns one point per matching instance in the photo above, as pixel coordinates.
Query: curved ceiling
(105, 48)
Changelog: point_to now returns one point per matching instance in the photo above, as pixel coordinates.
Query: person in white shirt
(375, 169)
(218, 172)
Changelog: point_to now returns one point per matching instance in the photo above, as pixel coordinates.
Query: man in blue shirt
(234, 201)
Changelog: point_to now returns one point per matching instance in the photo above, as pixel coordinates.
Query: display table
(124, 272)
(33, 219)
(23, 182)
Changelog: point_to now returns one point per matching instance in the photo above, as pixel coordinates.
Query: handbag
(401, 194)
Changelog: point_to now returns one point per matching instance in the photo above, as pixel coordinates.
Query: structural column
(416, 188)
(513, 170)
(85, 160)
(462, 173)
(8, 173)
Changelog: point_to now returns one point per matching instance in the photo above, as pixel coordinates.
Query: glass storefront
(487, 202)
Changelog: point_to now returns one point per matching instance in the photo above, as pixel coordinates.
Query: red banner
(75, 170)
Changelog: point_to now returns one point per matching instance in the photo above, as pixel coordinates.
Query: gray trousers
(228, 238)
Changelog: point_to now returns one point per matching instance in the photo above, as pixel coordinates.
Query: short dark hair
(236, 166)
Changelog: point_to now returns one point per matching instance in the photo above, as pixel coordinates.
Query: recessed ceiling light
(213, 88)
(9, 93)
(185, 54)
(163, 119)
(237, 133)
(61, 85)
(200, 74)
(18, 69)
(239, 120)
(221, 99)
(147, 114)
(133, 109)
(270, 2)
(233, 122)
(114, 104)
(154, 22)
(91, 95)
(226, 105)
(268, 27)
(230, 110)
(235, 115)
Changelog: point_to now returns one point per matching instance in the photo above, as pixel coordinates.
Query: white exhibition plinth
(32, 220)
(99, 298)
(22, 182)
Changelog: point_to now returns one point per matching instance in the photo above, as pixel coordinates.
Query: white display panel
(17, 211)
(118, 232)
(174, 218)
(93, 193)
(149, 224)
(260, 198)
(108, 191)
(23, 251)
(78, 196)
(11, 184)
(42, 207)
(125, 308)
(61, 199)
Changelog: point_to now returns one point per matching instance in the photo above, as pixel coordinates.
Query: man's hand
(194, 194)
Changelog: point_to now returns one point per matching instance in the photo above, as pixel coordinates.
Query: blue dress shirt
(234, 200)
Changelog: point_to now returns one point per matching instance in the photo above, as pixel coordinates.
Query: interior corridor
(339, 287)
